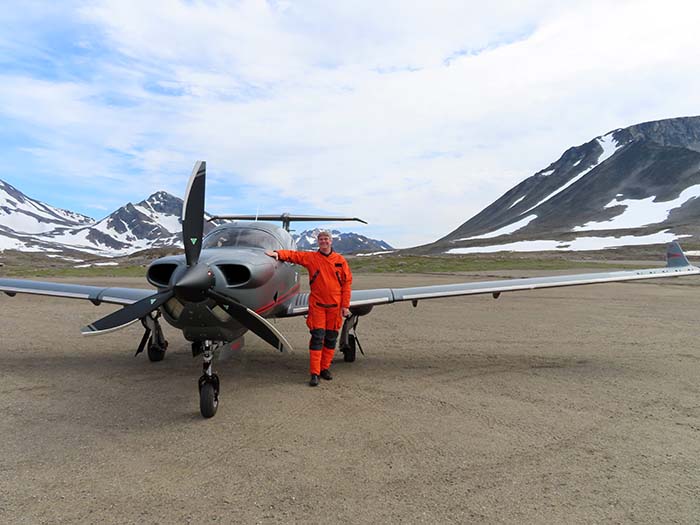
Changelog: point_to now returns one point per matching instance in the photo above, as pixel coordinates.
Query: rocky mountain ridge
(632, 186)
(347, 242)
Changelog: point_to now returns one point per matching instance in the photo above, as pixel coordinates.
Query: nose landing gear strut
(209, 382)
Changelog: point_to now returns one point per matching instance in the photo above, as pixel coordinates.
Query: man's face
(324, 243)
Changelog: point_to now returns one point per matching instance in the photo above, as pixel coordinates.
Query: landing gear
(349, 341)
(156, 352)
(208, 383)
(157, 345)
(350, 350)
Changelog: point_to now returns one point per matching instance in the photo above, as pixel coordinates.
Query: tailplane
(286, 218)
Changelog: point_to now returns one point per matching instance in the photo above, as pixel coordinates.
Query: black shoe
(326, 374)
(314, 380)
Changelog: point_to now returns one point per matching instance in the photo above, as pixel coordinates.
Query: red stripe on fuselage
(294, 289)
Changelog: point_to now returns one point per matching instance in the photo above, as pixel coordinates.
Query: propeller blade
(128, 314)
(252, 321)
(193, 213)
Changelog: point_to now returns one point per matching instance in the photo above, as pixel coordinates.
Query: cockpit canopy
(241, 237)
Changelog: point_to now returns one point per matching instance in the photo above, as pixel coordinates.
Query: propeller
(197, 283)
(128, 314)
(193, 214)
(191, 286)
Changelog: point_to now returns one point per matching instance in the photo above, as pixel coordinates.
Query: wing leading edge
(95, 294)
(677, 265)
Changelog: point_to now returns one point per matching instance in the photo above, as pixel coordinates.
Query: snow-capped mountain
(30, 225)
(152, 223)
(23, 214)
(342, 242)
(633, 186)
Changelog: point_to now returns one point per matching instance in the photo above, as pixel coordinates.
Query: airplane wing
(677, 265)
(96, 294)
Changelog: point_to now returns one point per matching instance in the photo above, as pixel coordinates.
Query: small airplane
(224, 285)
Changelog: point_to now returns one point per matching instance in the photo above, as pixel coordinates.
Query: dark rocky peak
(163, 202)
(681, 132)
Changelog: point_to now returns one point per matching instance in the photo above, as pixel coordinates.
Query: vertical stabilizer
(675, 257)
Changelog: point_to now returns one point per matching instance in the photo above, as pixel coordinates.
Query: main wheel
(155, 353)
(208, 399)
(350, 350)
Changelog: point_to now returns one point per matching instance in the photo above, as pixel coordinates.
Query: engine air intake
(235, 274)
(160, 274)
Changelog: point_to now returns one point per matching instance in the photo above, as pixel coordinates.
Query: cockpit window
(241, 238)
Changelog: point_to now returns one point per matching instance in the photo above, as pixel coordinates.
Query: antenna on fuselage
(285, 218)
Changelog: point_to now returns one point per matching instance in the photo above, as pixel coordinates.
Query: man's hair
(324, 232)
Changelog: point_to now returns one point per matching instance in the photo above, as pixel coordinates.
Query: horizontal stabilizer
(285, 218)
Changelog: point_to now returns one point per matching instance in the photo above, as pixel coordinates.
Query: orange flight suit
(330, 281)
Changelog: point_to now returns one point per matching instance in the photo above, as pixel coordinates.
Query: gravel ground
(573, 405)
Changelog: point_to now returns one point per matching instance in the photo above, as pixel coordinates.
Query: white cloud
(414, 117)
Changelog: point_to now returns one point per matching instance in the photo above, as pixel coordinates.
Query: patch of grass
(370, 264)
(447, 264)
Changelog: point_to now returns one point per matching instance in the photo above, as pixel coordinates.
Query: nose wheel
(208, 395)
(208, 384)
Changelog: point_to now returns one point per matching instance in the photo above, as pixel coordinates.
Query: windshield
(242, 238)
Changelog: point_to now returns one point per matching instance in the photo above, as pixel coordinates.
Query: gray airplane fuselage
(234, 254)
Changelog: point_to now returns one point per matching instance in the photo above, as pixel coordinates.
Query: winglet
(675, 258)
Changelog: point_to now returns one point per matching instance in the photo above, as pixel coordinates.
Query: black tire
(208, 399)
(350, 350)
(155, 353)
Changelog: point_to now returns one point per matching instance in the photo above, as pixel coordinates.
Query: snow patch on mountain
(516, 202)
(640, 212)
(8, 243)
(385, 252)
(166, 220)
(578, 244)
(506, 230)
(609, 145)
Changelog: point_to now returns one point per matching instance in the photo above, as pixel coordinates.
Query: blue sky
(413, 116)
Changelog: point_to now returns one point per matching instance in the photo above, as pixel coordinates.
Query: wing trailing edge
(677, 265)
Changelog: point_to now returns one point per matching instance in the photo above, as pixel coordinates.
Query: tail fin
(675, 258)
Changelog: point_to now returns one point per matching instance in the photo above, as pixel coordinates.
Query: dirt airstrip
(572, 405)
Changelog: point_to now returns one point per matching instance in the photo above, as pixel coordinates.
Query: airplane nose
(193, 286)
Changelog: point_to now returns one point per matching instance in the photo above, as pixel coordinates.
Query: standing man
(330, 281)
